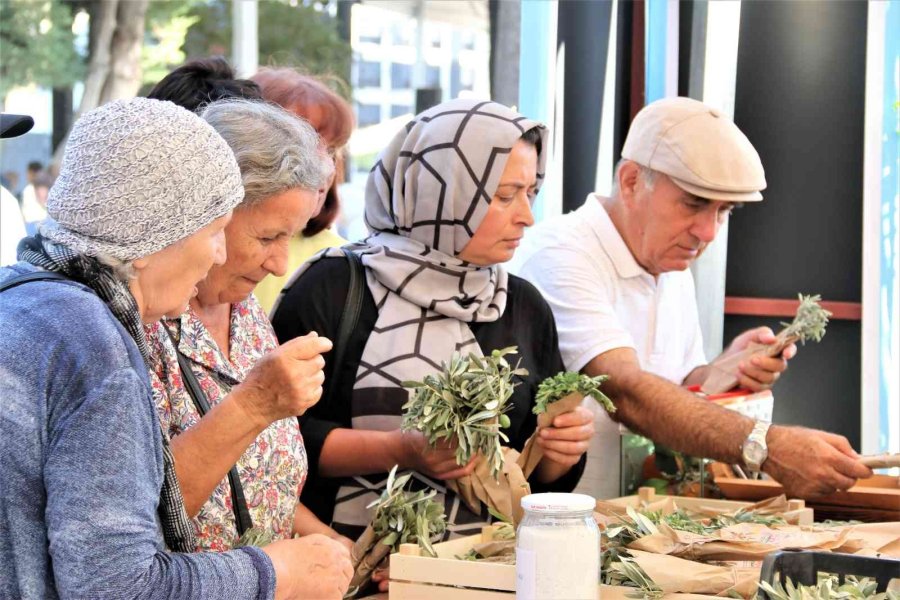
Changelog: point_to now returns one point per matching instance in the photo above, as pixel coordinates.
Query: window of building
(400, 109)
(401, 34)
(401, 76)
(468, 40)
(432, 76)
(370, 33)
(369, 74)
(368, 114)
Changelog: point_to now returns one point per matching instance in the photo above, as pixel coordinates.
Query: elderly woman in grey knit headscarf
(91, 506)
(446, 203)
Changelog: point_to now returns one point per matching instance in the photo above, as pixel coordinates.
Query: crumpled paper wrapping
(531, 452)
(503, 494)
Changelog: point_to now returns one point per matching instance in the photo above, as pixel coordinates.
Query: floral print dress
(273, 468)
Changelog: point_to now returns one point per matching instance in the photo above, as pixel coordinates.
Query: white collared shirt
(603, 299)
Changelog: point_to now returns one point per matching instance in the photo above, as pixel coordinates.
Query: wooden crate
(876, 499)
(798, 513)
(417, 577)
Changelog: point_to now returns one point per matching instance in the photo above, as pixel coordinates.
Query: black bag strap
(35, 276)
(238, 503)
(349, 316)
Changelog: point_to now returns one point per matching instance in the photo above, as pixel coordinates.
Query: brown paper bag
(531, 452)
(723, 374)
(674, 575)
(504, 494)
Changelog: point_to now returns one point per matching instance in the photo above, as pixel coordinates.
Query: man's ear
(628, 176)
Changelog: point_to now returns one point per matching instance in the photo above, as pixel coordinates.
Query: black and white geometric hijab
(426, 195)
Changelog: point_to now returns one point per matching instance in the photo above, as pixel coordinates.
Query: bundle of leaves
(465, 402)
(401, 517)
(829, 587)
(810, 321)
(559, 386)
(621, 570)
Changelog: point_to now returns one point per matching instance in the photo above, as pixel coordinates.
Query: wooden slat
(776, 307)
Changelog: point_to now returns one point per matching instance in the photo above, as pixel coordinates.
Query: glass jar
(557, 548)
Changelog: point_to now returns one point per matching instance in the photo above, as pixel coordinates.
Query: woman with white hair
(239, 453)
(91, 505)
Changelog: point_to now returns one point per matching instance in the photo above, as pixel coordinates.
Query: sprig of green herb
(810, 321)
(561, 385)
(465, 402)
(403, 517)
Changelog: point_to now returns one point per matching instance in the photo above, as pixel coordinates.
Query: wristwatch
(755, 451)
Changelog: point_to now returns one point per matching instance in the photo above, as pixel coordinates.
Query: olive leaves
(561, 385)
(403, 517)
(465, 402)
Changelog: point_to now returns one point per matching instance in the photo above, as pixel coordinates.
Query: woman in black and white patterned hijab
(446, 203)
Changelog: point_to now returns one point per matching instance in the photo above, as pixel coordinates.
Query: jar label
(525, 569)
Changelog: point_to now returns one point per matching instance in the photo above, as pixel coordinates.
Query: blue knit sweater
(81, 462)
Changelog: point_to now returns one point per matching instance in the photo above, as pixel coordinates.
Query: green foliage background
(37, 45)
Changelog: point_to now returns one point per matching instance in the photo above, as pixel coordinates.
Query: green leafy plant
(255, 536)
(828, 588)
(465, 402)
(401, 517)
(626, 572)
(810, 321)
(561, 385)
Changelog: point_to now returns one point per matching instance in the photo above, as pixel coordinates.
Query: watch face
(754, 453)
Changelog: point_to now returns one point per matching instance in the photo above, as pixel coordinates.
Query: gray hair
(275, 150)
(646, 173)
(122, 269)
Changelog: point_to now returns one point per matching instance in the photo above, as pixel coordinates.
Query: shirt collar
(610, 239)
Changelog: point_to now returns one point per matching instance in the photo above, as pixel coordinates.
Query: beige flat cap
(698, 147)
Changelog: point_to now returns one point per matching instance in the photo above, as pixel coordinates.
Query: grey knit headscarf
(137, 176)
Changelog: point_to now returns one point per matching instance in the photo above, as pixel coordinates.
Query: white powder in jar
(557, 562)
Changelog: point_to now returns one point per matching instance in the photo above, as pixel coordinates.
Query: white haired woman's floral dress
(273, 469)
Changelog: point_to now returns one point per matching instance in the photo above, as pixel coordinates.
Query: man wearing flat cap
(615, 273)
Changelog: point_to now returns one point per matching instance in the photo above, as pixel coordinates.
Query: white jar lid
(554, 502)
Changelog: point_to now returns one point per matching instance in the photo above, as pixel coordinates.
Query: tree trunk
(114, 66)
(103, 25)
(124, 77)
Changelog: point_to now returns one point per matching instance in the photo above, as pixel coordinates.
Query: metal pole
(245, 37)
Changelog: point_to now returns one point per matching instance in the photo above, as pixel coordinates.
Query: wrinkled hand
(810, 463)
(313, 567)
(382, 578)
(760, 372)
(340, 539)
(438, 462)
(568, 438)
(285, 382)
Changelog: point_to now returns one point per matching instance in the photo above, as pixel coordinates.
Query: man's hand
(285, 382)
(759, 372)
(810, 463)
(314, 567)
(438, 462)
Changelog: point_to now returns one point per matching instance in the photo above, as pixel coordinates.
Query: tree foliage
(37, 45)
(295, 34)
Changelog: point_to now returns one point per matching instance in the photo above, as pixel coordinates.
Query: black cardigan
(315, 303)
